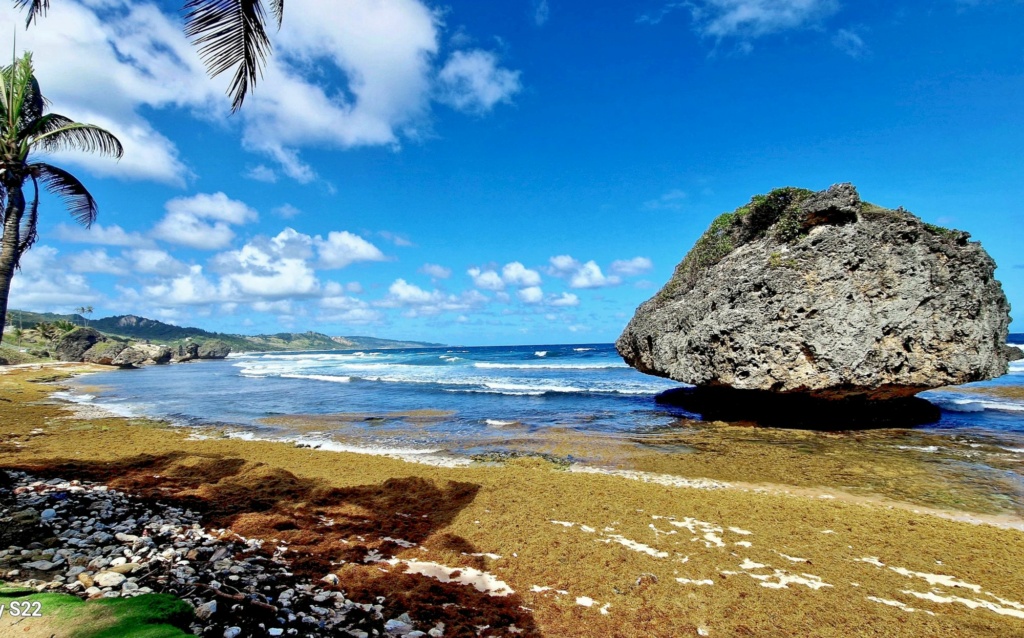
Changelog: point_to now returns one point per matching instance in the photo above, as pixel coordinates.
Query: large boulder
(187, 352)
(827, 296)
(142, 353)
(104, 352)
(214, 349)
(73, 345)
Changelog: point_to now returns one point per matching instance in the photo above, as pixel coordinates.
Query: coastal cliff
(825, 296)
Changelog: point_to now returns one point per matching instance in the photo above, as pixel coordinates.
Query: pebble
(98, 537)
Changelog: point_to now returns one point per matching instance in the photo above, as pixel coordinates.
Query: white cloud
(343, 248)
(565, 300)
(405, 293)
(102, 235)
(531, 295)
(261, 173)
(151, 65)
(189, 289)
(589, 275)
(97, 261)
(747, 18)
(541, 13)
(755, 18)
(436, 271)
(399, 240)
(202, 221)
(471, 81)
(486, 279)
(630, 267)
(154, 262)
(672, 200)
(287, 211)
(581, 275)
(850, 43)
(130, 58)
(217, 206)
(269, 269)
(516, 274)
(43, 284)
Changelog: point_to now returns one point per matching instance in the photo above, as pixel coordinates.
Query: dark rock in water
(827, 296)
(1014, 353)
(73, 345)
(214, 349)
(187, 352)
(142, 353)
(103, 352)
(802, 411)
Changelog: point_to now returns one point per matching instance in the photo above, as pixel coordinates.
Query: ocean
(576, 403)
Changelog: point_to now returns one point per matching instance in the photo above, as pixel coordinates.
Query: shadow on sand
(327, 529)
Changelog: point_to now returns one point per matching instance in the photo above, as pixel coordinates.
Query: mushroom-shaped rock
(824, 295)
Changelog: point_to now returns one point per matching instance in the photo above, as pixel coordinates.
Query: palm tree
(25, 127)
(84, 311)
(229, 33)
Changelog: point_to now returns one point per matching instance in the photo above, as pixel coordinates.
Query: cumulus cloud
(419, 302)
(343, 248)
(102, 235)
(486, 279)
(581, 275)
(471, 81)
(564, 300)
(43, 283)
(97, 261)
(436, 271)
(530, 295)
(154, 262)
(131, 58)
(631, 267)
(202, 221)
(516, 274)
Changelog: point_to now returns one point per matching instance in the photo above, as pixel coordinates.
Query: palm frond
(60, 133)
(29, 233)
(76, 197)
(231, 33)
(277, 8)
(35, 8)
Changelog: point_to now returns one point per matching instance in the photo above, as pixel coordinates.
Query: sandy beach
(534, 548)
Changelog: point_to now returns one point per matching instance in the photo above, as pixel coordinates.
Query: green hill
(141, 328)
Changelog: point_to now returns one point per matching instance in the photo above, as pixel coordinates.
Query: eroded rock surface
(823, 294)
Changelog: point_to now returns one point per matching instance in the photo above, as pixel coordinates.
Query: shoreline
(610, 541)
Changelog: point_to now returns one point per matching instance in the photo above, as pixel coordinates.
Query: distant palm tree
(25, 127)
(84, 311)
(229, 33)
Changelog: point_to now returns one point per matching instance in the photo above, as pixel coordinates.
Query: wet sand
(750, 540)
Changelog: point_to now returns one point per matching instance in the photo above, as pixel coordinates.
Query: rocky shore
(85, 539)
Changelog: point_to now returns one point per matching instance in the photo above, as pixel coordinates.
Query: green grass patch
(145, 616)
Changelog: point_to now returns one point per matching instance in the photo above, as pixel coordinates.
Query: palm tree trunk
(9, 245)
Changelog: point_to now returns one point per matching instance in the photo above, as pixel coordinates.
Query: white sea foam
(498, 423)
(548, 366)
(317, 377)
(582, 349)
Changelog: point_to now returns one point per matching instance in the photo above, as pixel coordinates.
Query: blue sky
(498, 173)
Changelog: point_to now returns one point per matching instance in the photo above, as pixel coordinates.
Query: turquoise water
(481, 399)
